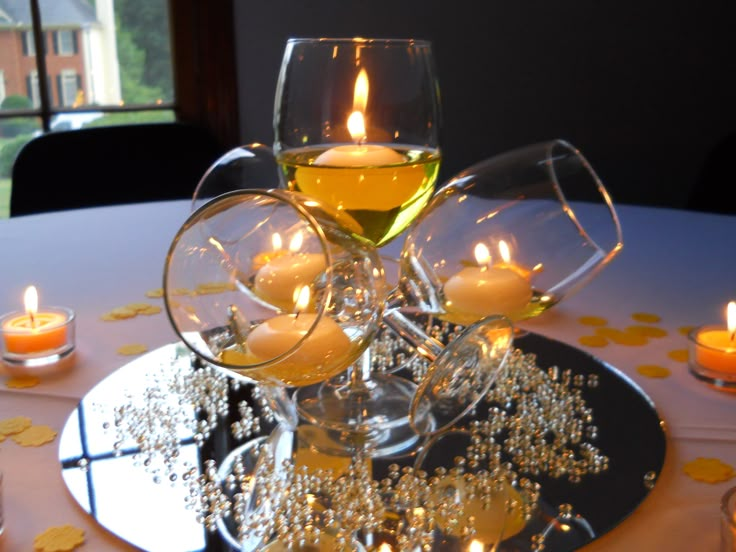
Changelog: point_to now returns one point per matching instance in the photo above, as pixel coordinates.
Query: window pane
(14, 133)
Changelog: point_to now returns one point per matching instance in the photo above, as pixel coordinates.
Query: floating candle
(276, 281)
(323, 349)
(35, 334)
(483, 290)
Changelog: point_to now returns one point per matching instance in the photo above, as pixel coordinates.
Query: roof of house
(54, 13)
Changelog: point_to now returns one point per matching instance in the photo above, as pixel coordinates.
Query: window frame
(205, 93)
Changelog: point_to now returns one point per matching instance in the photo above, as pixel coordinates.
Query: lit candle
(35, 333)
(276, 281)
(265, 257)
(486, 289)
(325, 346)
(715, 346)
(359, 154)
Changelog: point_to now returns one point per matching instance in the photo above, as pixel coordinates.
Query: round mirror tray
(133, 451)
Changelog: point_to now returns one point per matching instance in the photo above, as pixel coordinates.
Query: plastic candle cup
(712, 351)
(36, 337)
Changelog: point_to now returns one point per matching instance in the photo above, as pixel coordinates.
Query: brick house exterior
(81, 55)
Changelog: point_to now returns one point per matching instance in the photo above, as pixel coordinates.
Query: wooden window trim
(203, 56)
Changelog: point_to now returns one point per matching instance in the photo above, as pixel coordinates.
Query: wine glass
(245, 167)
(267, 285)
(356, 126)
(512, 235)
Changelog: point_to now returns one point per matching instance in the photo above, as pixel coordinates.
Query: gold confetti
(592, 321)
(119, 313)
(62, 538)
(34, 436)
(155, 293)
(621, 338)
(646, 317)
(708, 470)
(132, 349)
(11, 426)
(653, 371)
(593, 341)
(181, 292)
(22, 382)
(208, 288)
(684, 330)
(647, 331)
(679, 355)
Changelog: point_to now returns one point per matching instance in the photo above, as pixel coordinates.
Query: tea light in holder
(712, 351)
(36, 338)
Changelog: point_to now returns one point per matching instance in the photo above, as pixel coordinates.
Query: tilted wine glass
(512, 235)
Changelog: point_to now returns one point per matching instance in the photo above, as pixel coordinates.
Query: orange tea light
(713, 350)
(36, 333)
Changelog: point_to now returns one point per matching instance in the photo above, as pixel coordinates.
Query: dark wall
(645, 89)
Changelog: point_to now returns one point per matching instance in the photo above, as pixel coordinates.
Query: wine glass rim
(403, 42)
(280, 195)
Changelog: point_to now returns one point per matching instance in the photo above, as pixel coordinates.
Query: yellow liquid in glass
(383, 200)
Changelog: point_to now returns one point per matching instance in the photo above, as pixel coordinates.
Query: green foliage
(9, 151)
(132, 60)
(15, 126)
(146, 24)
(133, 117)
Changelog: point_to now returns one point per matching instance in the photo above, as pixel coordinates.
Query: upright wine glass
(357, 126)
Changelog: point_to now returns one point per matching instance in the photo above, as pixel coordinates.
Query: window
(69, 85)
(33, 88)
(65, 42)
(29, 46)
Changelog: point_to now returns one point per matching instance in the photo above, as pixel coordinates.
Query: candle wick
(33, 319)
(363, 140)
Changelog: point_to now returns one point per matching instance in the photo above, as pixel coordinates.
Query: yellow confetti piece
(179, 292)
(62, 538)
(10, 426)
(653, 371)
(622, 338)
(647, 331)
(132, 349)
(151, 309)
(35, 436)
(22, 382)
(593, 321)
(593, 341)
(155, 293)
(119, 313)
(679, 355)
(646, 317)
(708, 470)
(684, 330)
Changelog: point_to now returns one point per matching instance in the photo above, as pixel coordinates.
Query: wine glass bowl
(356, 125)
(513, 235)
(268, 285)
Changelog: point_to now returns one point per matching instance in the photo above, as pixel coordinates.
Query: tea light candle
(713, 350)
(486, 289)
(280, 334)
(33, 335)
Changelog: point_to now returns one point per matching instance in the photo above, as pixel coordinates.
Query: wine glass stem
(281, 405)
(428, 347)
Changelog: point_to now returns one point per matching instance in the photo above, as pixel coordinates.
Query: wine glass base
(375, 413)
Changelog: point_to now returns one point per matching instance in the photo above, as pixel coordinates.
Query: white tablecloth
(677, 264)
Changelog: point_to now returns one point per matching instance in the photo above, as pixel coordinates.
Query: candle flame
(296, 242)
(30, 301)
(731, 319)
(505, 251)
(385, 547)
(475, 546)
(356, 120)
(482, 254)
(301, 298)
(276, 241)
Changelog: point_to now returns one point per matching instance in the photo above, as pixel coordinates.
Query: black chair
(110, 165)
